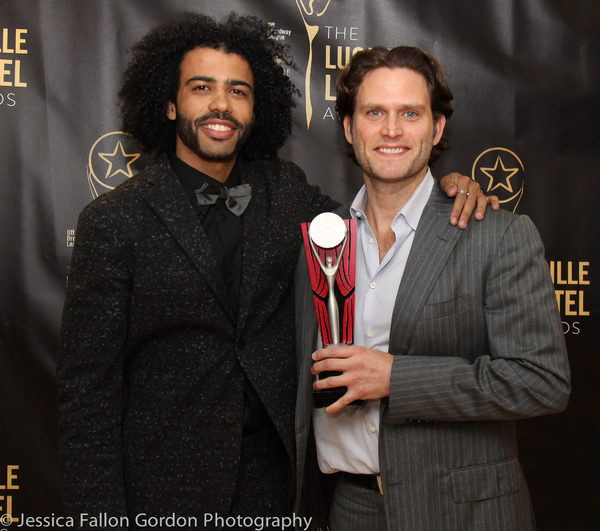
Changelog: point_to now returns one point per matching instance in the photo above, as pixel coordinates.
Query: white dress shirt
(349, 440)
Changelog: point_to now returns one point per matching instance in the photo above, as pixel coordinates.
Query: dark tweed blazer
(478, 343)
(151, 358)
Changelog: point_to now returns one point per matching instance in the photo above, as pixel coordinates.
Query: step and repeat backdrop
(526, 81)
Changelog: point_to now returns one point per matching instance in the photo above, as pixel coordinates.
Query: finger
(448, 184)
(471, 190)
(341, 403)
(494, 201)
(459, 204)
(330, 382)
(482, 203)
(328, 365)
(333, 352)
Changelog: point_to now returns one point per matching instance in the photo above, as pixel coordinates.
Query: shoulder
(494, 220)
(285, 187)
(107, 226)
(126, 198)
(275, 170)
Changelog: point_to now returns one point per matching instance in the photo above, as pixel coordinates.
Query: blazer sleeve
(90, 367)
(523, 371)
(298, 190)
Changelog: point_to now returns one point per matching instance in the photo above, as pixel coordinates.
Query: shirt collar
(411, 211)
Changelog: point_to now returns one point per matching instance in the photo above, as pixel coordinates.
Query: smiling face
(213, 111)
(393, 131)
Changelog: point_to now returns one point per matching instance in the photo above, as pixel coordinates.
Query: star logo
(499, 175)
(118, 161)
(113, 158)
(327, 230)
(500, 172)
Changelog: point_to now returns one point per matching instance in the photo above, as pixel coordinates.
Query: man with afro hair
(176, 366)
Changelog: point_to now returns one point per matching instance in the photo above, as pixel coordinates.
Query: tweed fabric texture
(152, 361)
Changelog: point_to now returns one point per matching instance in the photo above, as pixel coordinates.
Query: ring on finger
(463, 192)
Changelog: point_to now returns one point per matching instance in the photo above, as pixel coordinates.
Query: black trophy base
(326, 397)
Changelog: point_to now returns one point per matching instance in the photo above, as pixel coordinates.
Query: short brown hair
(363, 62)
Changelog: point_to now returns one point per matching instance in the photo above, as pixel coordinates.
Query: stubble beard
(415, 167)
(188, 133)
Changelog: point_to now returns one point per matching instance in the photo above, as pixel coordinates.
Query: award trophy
(327, 231)
(331, 260)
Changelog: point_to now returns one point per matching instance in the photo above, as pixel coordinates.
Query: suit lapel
(167, 198)
(434, 241)
(255, 239)
(306, 340)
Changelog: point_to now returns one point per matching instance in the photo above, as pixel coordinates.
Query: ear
(348, 128)
(440, 124)
(171, 111)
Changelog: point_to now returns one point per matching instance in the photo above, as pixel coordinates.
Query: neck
(386, 199)
(217, 169)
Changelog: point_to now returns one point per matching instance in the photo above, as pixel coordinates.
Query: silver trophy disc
(327, 231)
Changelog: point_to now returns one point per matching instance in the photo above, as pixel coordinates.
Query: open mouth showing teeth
(394, 150)
(217, 127)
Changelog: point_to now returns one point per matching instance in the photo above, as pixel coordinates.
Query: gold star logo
(113, 158)
(504, 173)
(500, 172)
(118, 159)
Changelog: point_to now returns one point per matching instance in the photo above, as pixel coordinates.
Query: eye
(411, 114)
(374, 113)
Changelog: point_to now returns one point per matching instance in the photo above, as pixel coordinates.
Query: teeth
(395, 150)
(218, 127)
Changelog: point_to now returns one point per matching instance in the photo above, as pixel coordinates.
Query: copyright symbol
(6, 519)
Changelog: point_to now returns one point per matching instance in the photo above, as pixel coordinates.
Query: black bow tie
(236, 198)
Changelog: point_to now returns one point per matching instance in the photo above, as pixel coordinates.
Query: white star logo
(327, 230)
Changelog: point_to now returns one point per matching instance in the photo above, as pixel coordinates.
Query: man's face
(392, 131)
(214, 108)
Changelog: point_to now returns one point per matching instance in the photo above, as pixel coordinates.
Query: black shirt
(222, 227)
(224, 232)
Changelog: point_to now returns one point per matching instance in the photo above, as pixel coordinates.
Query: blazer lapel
(434, 240)
(167, 198)
(254, 239)
(306, 341)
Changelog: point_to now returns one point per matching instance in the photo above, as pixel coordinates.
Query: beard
(188, 132)
(415, 166)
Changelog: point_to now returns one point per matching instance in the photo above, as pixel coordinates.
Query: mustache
(218, 116)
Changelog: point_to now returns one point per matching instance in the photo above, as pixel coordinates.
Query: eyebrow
(228, 82)
(404, 106)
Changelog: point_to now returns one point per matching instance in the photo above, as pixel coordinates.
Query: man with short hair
(457, 333)
(176, 365)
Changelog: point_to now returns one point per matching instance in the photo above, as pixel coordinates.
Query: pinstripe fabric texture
(354, 507)
(478, 344)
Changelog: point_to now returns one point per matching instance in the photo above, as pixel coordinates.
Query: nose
(392, 128)
(220, 101)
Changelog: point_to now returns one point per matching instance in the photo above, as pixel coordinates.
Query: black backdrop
(526, 79)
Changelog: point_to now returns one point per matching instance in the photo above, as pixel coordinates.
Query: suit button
(230, 417)
(241, 343)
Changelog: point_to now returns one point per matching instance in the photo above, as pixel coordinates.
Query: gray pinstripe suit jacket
(478, 343)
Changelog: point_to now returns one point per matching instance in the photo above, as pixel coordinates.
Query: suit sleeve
(314, 202)
(90, 367)
(524, 370)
